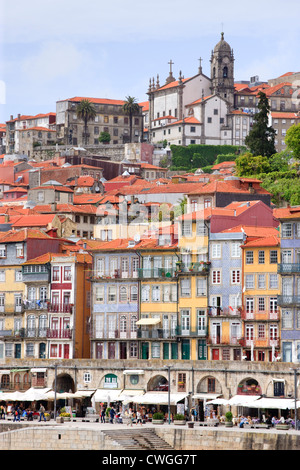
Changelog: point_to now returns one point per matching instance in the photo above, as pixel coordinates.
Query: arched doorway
(64, 383)
(207, 389)
(159, 383)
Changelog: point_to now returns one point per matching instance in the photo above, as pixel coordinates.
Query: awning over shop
(133, 372)
(159, 398)
(106, 396)
(35, 394)
(243, 400)
(275, 403)
(218, 401)
(148, 321)
(84, 393)
(205, 396)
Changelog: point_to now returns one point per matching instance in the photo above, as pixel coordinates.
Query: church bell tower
(222, 71)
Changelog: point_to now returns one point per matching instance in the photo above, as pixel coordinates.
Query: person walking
(2, 412)
(102, 415)
(17, 414)
(42, 413)
(112, 415)
(139, 417)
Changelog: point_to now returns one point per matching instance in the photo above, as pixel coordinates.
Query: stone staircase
(138, 439)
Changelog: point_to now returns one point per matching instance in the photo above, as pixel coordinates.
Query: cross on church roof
(171, 63)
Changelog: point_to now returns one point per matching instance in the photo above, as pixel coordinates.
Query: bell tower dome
(222, 70)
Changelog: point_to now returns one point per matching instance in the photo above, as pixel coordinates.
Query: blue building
(289, 269)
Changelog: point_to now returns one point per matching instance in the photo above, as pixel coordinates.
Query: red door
(215, 354)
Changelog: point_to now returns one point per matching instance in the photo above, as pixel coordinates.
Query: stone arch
(158, 383)
(249, 386)
(209, 384)
(64, 383)
(280, 388)
(110, 381)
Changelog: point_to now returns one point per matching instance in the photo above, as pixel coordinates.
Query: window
(235, 276)
(2, 251)
(87, 377)
(249, 281)
(185, 287)
(133, 294)
(55, 273)
(261, 331)
(287, 318)
(273, 281)
(249, 305)
(273, 256)
(235, 250)
(273, 304)
(286, 230)
(123, 294)
(216, 250)
(100, 294)
(261, 281)
(201, 286)
(261, 257)
(155, 293)
(20, 250)
(216, 276)
(145, 293)
(261, 304)
(67, 273)
(18, 275)
(249, 257)
(112, 294)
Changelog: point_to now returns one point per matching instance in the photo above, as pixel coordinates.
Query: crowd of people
(19, 412)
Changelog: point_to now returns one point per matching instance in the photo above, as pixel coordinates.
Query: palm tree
(131, 108)
(85, 111)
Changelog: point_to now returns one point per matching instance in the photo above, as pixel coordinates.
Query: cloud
(52, 61)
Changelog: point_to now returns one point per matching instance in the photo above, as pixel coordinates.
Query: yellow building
(158, 322)
(193, 285)
(261, 325)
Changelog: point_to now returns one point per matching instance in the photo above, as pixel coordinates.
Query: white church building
(199, 109)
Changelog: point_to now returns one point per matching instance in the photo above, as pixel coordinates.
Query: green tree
(86, 112)
(104, 137)
(292, 140)
(260, 139)
(249, 165)
(131, 108)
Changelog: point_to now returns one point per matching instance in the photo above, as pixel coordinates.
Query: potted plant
(228, 419)
(47, 416)
(158, 418)
(179, 419)
(65, 416)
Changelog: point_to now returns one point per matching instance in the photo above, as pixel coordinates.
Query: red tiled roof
(287, 212)
(39, 220)
(77, 99)
(284, 115)
(21, 235)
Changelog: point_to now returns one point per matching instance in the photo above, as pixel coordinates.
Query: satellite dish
(137, 237)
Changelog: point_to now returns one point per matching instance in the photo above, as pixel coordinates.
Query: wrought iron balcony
(285, 300)
(60, 308)
(288, 268)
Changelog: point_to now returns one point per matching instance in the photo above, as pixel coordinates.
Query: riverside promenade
(82, 435)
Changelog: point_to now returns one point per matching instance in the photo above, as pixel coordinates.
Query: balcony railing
(60, 333)
(288, 268)
(156, 273)
(36, 304)
(265, 315)
(285, 300)
(60, 308)
(259, 343)
(223, 311)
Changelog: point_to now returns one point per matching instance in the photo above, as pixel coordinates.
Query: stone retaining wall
(62, 438)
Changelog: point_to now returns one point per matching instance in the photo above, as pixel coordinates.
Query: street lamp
(169, 394)
(295, 394)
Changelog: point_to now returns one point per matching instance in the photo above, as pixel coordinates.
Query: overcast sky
(109, 49)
